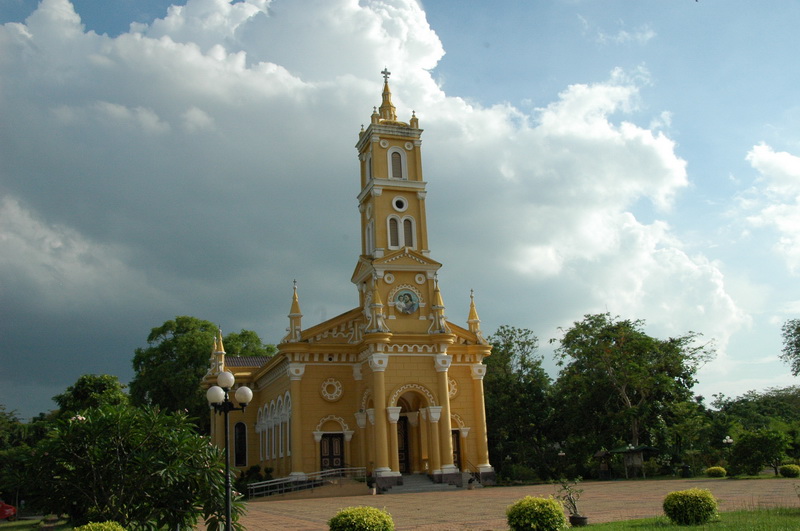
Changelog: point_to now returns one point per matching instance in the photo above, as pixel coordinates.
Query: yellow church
(391, 385)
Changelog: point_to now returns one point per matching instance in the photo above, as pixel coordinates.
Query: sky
(159, 159)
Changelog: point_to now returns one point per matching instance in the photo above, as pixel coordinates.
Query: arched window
(240, 444)
(279, 420)
(401, 232)
(396, 159)
(370, 237)
(369, 167)
(394, 233)
(408, 232)
(288, 425)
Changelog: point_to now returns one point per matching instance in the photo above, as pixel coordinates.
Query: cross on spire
(386, 74)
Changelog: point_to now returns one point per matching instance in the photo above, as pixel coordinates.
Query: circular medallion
(388, 278)
(453, 386)
(331, 390)
(406, 301)
(384, 143)
(409, 146)
(420, 278)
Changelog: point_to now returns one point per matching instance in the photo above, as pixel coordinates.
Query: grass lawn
(24, 524)
(777, 519)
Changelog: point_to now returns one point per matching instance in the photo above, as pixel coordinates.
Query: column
(434, 412)
(378, 363)
(371, 439)
(479, 410)
(361, 420)
(296, 371)
(446, 439)
(393, 415)
(413, 441)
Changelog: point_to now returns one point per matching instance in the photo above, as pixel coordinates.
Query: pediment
(341, 329)
(406, 257)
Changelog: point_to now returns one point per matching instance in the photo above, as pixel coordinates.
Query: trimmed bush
(716, 472)
(361, 519)
(103, 526)
(789, 471)
(537, 514)
(690, 507)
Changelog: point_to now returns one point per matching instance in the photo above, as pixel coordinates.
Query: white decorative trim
(340, 420)
(435, 413)
(409, 146)
(420, 278)
(413, 418)
(331, 389)
(361, 419)
(378, 362)
(371, 416)
(401, 199)
(478, 371)
(393, 414)
(388, 278)
(412, 386)
(296, 371)
(442, 362)
(357, 376)
(384, 143)
(408, 347)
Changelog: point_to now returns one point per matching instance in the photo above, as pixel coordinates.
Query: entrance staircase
(422, 483)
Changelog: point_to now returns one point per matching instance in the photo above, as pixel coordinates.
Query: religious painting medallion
(406, 301)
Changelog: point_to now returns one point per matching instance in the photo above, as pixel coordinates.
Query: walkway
(484, 509)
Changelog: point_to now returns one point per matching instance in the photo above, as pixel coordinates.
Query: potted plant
(569, 494)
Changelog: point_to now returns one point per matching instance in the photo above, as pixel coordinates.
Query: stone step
(419, 483)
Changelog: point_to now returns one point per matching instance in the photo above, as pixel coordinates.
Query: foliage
(181, 349)
(137, 467)
(569, 494)
(252, 475)
(690, 507)
(102, 526)
(361, 519)
(789, 471)
(515, 380)
(91, 391)
(612, 357)
(539, 514)
(716, 472)
(791, 344)
(755, 449)
(755, 410)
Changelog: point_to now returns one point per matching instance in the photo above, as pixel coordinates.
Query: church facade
(390, 385)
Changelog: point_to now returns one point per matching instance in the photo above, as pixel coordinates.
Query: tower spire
(387, 110)
(295, 318)
(473, 320)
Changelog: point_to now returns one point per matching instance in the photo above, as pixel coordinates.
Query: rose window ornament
(331, 390)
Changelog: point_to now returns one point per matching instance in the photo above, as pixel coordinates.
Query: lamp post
(727, 442)
(217, 396)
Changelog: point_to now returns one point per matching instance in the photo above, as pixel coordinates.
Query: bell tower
(394, 265)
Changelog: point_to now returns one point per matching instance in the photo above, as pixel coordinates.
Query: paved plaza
(484, 509)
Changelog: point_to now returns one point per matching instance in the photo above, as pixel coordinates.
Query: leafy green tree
(754, 450)
(637, 374)
(91, 391)
(168, 372)
(142, 468)
(517, 404)
(791, 344)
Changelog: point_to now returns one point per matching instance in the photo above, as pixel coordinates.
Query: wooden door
(403, 451)
(331, 450)
(457, 448)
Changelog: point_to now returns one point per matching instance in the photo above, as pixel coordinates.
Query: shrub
(790, 471)
(716, 472)
(104, 526)
(361, 519)
(690, 507)
(538, 514)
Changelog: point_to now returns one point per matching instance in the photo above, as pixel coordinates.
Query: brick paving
(484, 509)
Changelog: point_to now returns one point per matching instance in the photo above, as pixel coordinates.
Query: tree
(631, 375)
(517, 405)
(755, 449)
(791, 344)
(168, 372)
(91, 391)
(142, 468)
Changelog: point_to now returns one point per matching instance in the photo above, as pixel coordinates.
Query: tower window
(397, 163)
(240, 444)
(401, 232)
(394, 233)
